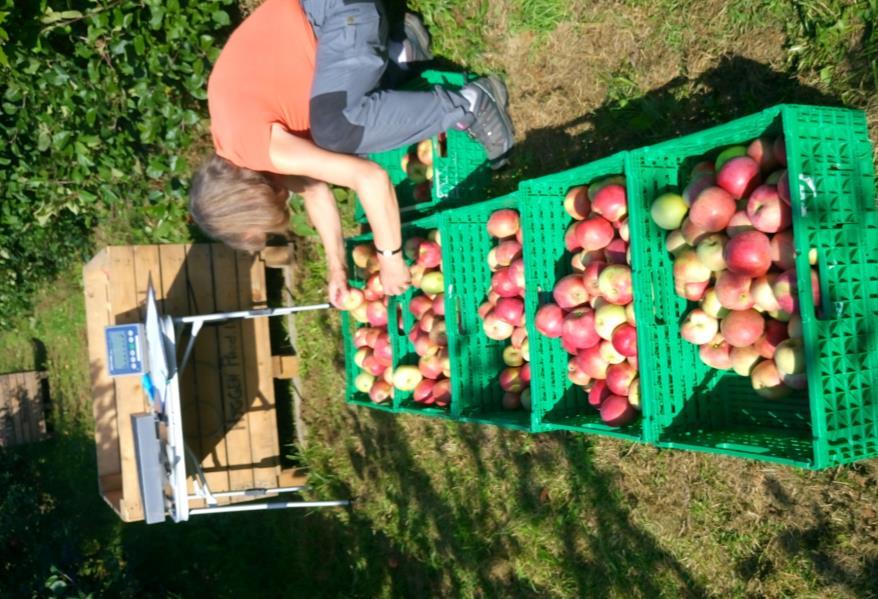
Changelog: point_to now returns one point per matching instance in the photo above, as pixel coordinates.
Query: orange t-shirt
(262, 76)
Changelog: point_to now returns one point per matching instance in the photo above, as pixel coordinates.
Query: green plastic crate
(558, 404)
(690, 405)
(458, 176)
(476, 360)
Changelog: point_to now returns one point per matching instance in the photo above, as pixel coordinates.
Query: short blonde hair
(236, 205)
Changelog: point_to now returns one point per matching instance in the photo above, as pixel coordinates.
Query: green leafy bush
(101, 105)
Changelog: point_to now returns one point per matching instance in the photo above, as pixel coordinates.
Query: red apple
(383, 350)
(376, 312)
(439, 333)
(688, 268)
(739, 176)
(783, 187)
(762, 151)
(373, 290)
(698, 327)
(739, 223)
(749, 254)
(783, 251)
(611, 202)
(484, 308)
(692, 233)
(616, 251)
(578, 329)
(625, 339)
(439, 304)
(511, 310)
(507, 251)
(428, 319)
(511, 401)
(575, 375)
(373, 366)
(419, 305)
(615, 284)
(503, 223)
(693, 292)
(423, 390)
(431, 366)
(716, 353)
(442, 393)
(510, 380)
(766, 210)
(550, 320)
(712, 210)
(767, 382)
(742, 327)
(496, 328)
(794, 326)
(571, 242)
(576, 202)
(744, 359)
(570, 292)
(598, 393)
(381, 391)
(591, 278)
(594, 233)
(733, 291)
(786, 290)
(780, 150)
(516, 273)
(424, 346)
(775, 333)
(619, 378)
(616, 411)
(590, 361)
(518, 337)
(503, 283)
(429, 254)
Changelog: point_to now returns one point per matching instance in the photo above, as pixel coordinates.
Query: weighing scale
(149, 349)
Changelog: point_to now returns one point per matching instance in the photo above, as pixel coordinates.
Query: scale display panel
(125, 354)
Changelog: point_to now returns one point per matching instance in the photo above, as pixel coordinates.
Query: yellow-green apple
(794, 327)
(744, 359)
(578, 330)
(507, 251)
(525, 349)
(767, 382)
(591, 276)
(511, 310)
(387, 375)
(728, 154)
(512, 356)
(775, 333)
(493, 265)
(766, 210)
(439, 333)
(615, 284)
(783, 252)
(749, 254)
(688, 268)
(363, 381)
(762, 151)
(712, 210)
(624, 230)
(362, 254)
(780, 315)
(607, 318)
(762, 291)
(629, 314)
(790, 362)
(496, 328)
(435, 235)
(739, 223)
(576, 202)
(625, 339)
(570, 292)
(739, 176)
(518, 336)
(417, 272)
(429, 254)
(433, 282)
(590, 361)
(416, 171)
(442, 393)
(598, 393)
(616, 251)
(733, 291)
(711, 305)
(575, 375)
(361, 354)
(710, 251)
(668, 211)
(504, 283)
(619, 378)
(786, 290)
(698, 327)
(742, 327)
(634, 394)
(503, 223)
(419, 305)
(406, 378)
(510, 379)
(424, 151)
(360, 314)
(610, 353)
(594, 233)
(511, 401)
(675, 243)
(715, 353)
(444, 361)
(550, 320)
(423, 390)
(611, 202)
(616, 411)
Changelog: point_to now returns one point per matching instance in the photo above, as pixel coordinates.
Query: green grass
(462, 510)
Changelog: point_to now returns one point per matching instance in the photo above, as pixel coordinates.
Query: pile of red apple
(731, 235)
(502, 312)
(593, 313)
(429, 381)
(369, 308)
(417, 164)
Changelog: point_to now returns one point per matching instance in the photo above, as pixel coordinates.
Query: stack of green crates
(458, 176)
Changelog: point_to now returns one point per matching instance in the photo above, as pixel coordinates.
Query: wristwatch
(388, 253)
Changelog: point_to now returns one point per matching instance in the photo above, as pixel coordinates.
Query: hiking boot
(417, 39)
(492, 126)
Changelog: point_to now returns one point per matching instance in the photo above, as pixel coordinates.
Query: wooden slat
(129, 391)
(172, 259)
(279, 256)
(97, 309)
(208, 393)
(261, 408)
(35, 412)
(285, 367)
(293, 477)
(232, 369)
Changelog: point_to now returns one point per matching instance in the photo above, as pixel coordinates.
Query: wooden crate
(227, 390)
(22, 408)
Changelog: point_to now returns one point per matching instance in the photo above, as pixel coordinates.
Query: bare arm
(293, 155)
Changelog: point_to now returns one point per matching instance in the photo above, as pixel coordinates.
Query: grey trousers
(350, 112)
